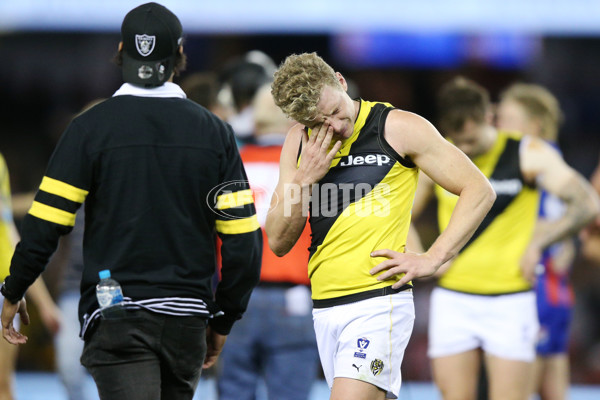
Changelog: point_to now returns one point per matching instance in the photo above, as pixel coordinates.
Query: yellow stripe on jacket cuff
(62, 189)
(237, 226)
(52, 214)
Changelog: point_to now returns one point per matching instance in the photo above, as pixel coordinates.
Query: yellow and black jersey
(490, 262)
(6, 220)
(362, 204)
(161, 177)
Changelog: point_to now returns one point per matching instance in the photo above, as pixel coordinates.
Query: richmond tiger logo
(376, 367)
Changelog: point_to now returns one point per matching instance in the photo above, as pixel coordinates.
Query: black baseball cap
(151, 36)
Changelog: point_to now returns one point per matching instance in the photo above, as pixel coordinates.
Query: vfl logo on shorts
(363, 343)
(376, 367)
(144, 44)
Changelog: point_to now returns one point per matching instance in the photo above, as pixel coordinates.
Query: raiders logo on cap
(151, 36)
(144, 44)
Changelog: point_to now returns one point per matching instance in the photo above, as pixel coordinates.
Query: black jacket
(151, 171)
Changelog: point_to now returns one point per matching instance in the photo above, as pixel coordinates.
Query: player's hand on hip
(412, 265)
(317, 153)
(530, 263)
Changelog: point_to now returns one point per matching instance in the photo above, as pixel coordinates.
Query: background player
(483, 302)
(533, 110)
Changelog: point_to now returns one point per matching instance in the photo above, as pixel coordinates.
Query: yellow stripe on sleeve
(52, 214)
(62, 189)
(237, 226)
(235, 199)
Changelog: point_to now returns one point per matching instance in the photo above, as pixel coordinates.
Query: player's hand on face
(412, 265)
(317, 153)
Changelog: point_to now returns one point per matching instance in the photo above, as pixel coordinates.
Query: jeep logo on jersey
(376, 367)
(369, 159)
(144, 44)
(363, 343)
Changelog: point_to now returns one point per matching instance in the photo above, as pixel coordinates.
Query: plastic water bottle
(109, 295)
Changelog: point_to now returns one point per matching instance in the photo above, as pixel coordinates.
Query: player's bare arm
(542, 164)
(289, 204)
(417, 139)
(423, 195)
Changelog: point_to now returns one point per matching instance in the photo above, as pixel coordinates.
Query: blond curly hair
(298, 84)
(539, 104)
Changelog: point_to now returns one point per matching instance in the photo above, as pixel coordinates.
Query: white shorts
(365, 340)
(17, 320)
(505, 326)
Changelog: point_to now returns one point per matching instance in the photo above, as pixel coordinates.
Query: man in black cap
(161, 177)
(151, 49)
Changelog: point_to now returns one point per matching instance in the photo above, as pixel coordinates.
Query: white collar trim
(168, 89)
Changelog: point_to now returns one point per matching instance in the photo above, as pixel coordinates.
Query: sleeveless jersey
(362, 204)
(262, 168)
(7, 247)
(490, 261)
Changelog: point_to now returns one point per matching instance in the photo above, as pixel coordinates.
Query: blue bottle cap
(105, 273)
